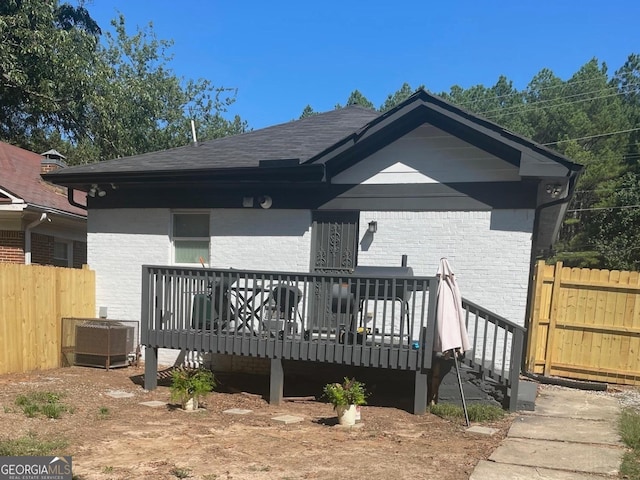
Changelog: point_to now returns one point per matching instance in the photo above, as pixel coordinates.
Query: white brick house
(438, 182)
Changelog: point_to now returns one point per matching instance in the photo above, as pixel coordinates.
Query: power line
(564, 84)
(538, 102)
(593, 136)
(517, 109)
(623, 207)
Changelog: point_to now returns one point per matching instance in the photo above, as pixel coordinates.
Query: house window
(62, 254)
(190, 237)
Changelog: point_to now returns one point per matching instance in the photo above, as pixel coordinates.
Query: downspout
(72, 201)
(27, 237)
(573, 180)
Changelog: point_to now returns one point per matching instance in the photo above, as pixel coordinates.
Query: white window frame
(59, 262)
(174, 238)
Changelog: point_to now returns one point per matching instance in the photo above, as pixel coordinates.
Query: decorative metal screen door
(334, 250)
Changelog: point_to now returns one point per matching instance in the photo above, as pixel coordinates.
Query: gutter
(72, 201)
(27, 236)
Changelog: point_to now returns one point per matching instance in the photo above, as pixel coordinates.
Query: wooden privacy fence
(33, 300)
(585, 324)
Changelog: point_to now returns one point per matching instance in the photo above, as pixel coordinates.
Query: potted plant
(345, 397)
(190, 385)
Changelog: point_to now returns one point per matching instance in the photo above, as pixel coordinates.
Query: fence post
(514, 368)
(553, 317)
(534, 318)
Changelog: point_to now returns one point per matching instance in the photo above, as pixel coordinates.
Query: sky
(284, 55)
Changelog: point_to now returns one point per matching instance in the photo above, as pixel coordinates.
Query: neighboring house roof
(20, 181)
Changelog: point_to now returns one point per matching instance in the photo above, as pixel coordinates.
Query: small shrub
(103, 413)
(180, 472)
(108, 469)
(189, 383)
(349, 392)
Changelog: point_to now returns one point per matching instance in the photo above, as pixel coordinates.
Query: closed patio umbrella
(451, 331)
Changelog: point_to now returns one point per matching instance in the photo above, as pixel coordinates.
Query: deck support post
(420, 393)
(276, 382)
(150, 368)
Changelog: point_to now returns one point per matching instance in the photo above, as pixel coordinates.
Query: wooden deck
(357, 320)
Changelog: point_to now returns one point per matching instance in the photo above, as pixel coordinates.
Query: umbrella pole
(464, 402)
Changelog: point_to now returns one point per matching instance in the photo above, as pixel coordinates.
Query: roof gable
(428, 155)
(424, 108)
(20, 179)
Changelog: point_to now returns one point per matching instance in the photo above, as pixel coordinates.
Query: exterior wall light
(554, 189)
(373, 227)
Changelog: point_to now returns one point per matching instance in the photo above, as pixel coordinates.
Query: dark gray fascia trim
(298, 173)
(417, 197)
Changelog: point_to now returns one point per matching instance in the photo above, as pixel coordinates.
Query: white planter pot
(346, 414)
(191, 404)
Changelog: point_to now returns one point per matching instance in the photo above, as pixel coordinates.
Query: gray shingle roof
(300, 139)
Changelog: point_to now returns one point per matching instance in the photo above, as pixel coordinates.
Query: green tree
(575, 118)
(356, 98)
(137, 104)
(617, 228)
(47, 53)
(398, 97)
(307, 112)
(61, 87)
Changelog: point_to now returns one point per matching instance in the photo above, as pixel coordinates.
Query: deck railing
(355, 320)
(496, 348)
(361, 320)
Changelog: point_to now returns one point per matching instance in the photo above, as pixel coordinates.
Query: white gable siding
(428, 155)
(254, 239)
(488, 251)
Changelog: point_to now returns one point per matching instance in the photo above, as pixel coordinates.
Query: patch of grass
(103, 413)
(108, 469)
(210, 476)
(629, 427)
(180, 472)
(46, 403)
(30, 444)
(478, 412)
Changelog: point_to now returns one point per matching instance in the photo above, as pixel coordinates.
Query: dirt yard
(117, 438)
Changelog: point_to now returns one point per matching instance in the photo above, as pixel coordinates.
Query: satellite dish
(265, 201)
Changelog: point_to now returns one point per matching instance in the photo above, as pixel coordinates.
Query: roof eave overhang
(55, 211)
(532, 160)
(84, 181)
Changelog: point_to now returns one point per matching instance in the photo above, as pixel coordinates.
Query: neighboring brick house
(38, 224)
(430, 179)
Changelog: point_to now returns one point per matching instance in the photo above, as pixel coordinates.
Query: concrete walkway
(571, 435)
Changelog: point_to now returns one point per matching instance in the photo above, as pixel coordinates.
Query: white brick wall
(119, 242)
(488, 251)
(255, 239)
